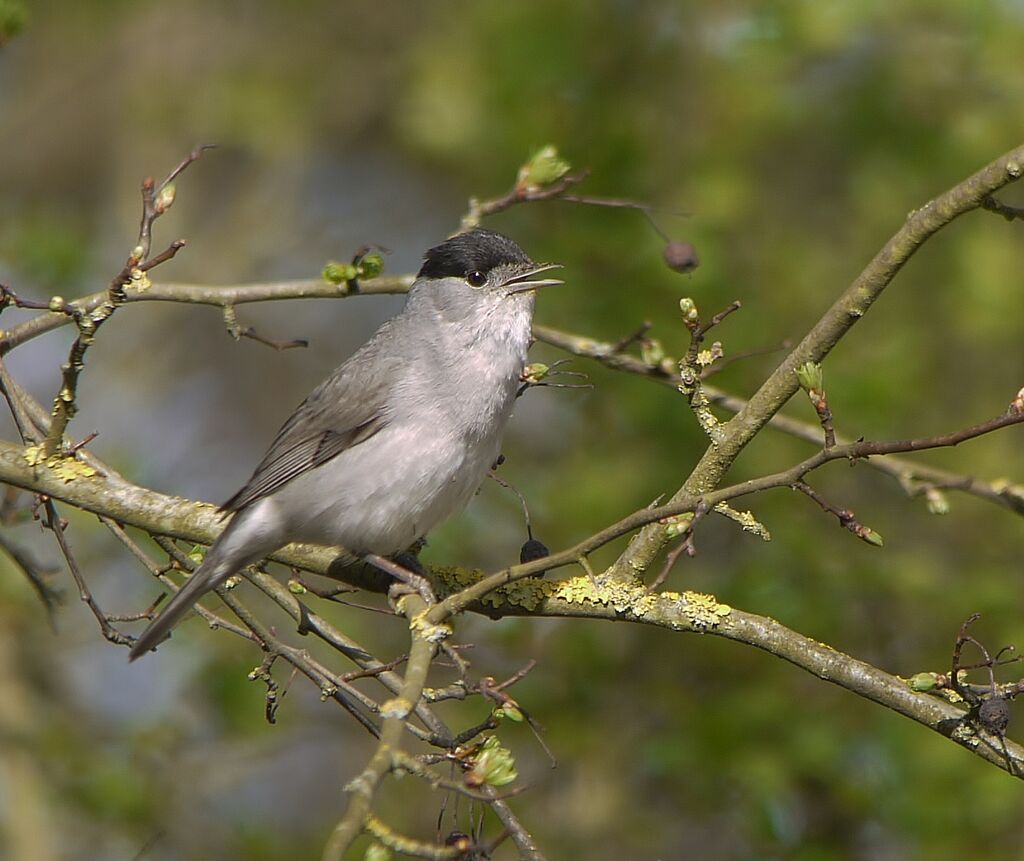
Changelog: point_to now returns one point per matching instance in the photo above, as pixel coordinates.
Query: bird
(401, 435)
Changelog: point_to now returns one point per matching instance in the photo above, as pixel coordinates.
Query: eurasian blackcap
(402, 434)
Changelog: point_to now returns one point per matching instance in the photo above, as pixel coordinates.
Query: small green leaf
(494, 765)
(810, 377)
(509, 711)
(535, 372)
(544, 167)
(371, 266)
(339, 273)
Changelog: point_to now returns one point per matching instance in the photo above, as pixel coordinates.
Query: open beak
(525, 281)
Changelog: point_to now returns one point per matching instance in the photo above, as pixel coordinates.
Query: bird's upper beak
(525, 281)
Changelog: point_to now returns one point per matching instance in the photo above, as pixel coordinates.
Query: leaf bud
(871, 537)
(937, 501)
(371, 266)
(493, 765)
(165, 198)
(810, 377)
(923, 682)
(545, 167)
(339, 273)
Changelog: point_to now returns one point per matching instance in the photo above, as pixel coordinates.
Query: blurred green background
(796, 135)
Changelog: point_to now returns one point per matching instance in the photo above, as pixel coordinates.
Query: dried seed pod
(994, 715)
(681, 256)
(531, 550)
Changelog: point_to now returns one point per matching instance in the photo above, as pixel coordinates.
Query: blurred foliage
(796, 135)
(13, 18)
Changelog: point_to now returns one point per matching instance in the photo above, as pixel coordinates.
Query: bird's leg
(405, 568)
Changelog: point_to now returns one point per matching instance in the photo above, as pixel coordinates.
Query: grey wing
(346, 409)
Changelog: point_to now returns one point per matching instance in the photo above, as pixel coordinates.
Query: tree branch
(851, 306)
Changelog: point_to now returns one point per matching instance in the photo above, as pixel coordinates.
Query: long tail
(250, 535)
(207, 576)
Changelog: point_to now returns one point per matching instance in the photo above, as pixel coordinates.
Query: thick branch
(700, 613)
(579, 596)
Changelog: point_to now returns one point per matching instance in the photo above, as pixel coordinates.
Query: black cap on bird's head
(478, 254)
(476, 250)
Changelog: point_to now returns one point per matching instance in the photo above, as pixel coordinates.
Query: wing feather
(345, 410)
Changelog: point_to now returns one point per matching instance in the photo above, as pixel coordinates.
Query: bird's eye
(476, 278)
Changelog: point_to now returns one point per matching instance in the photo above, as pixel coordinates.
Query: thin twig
(1010, 213)
(54, 523)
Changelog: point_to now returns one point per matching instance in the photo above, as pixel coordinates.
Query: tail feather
(207, 576)
(251, 535)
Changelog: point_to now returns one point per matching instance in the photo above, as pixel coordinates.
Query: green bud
(689, 308)
(651, 351)
(871, 537)
(57, 303)
(923, 682)
(339, 273)
(197, 554)
(937, 501)
(509, 711)
(296, 588)
(371, 266)
(678, 525)
(165, 198)
(535, 372)
(810, 377)
(543, 168)
(494, 765)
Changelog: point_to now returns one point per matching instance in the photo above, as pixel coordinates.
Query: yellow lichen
(65, 468)
(694, 609)
(703, 610)
(630, 597)
(397, 707)
(746, 520)
(430, 633)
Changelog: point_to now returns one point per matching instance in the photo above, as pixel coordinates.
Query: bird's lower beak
(525, 280)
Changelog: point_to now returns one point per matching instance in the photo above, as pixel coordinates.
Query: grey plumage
(399, 436)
